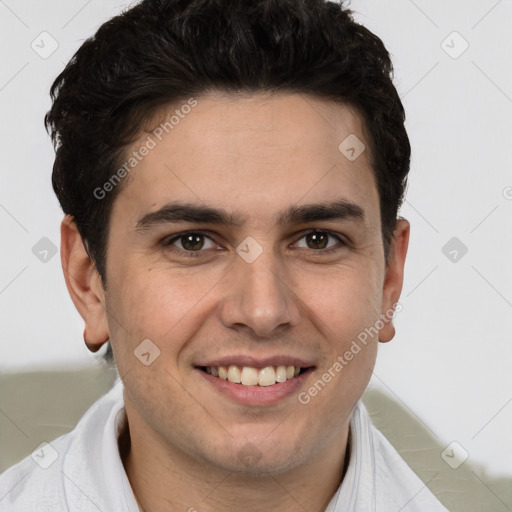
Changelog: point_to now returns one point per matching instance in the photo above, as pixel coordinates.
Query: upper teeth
(249, 376)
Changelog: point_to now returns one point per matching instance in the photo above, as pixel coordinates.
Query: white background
(451, 360)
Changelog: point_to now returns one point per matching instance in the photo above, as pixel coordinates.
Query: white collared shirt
(82, 470)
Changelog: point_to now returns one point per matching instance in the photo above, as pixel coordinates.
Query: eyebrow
(186, 212)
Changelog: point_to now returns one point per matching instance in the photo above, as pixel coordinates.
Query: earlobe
(387, 333)
(84, 285)
(394, 278)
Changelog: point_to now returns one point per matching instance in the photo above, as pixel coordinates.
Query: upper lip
(257, 362)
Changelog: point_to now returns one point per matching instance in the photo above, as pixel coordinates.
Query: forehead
(253, 154)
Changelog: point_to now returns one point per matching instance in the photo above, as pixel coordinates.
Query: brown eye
(317, 240)
(189, 243)
(192, 241)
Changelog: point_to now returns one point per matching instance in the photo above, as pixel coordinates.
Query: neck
(165, 478)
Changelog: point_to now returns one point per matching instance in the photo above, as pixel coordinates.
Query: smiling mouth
(249, 376)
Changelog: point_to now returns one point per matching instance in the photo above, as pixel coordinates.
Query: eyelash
(167, 242)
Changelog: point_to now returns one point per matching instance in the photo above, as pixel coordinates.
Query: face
(246, 238)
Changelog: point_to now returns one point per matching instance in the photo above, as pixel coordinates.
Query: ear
(394, 278)
(84, 284)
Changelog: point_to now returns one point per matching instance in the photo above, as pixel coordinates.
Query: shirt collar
(357, 490)
(94, 465)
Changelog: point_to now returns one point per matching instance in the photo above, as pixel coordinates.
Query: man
(231, 174)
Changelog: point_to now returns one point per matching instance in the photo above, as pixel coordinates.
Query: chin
(258, 455)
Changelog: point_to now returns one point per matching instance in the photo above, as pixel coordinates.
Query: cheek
(157, 303)
(148, 329)
(345, 307)
(344, 301)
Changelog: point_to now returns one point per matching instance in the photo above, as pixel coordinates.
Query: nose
(259, 297)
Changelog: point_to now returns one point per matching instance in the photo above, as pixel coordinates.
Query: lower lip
(257, 395)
